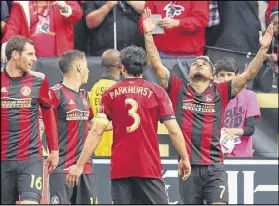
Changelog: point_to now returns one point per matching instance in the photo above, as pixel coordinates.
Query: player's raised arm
(239, 82)
(162, 72)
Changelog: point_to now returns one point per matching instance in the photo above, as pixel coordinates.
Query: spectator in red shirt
(48, 23)
(271, 5)
(184, 24)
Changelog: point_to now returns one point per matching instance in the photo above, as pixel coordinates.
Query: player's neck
(115, 75)
(132, 77)
(13, 70)
(200, 86)
(71, 83)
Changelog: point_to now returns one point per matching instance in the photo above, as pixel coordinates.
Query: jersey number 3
(133, 113)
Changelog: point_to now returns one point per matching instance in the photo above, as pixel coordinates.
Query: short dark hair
(67, 59)
(16, 43)
(226, 64)
(205, 58)
(134, 60)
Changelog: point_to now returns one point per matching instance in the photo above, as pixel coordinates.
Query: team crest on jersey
(55, 200)
(173, 10)
(25, 91)
(208, 98)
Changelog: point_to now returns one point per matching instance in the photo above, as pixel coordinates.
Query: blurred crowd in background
(95, 26)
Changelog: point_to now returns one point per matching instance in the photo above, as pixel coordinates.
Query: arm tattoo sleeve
(165, 81)
(239, 82)
(155, 60)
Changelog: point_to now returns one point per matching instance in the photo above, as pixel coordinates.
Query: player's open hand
(266, 40)
(52, 161)
(147, 23)
(185, 167)
(73, 175)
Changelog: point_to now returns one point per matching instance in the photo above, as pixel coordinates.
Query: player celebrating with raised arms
(200, 107)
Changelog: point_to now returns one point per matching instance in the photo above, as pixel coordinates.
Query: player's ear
(123, 70)
(15, 54)
(79, 68)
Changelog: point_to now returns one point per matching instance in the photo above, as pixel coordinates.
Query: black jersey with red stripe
(200, 117)
(20, 101)
(72, 115)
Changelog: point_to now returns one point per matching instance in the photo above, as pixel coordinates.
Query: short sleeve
(104, 110)
(54, 99)
(253, 109)
(165, 107)
(44, 98)
(174, 86)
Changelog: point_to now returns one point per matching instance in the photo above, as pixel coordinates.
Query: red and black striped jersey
(73, 112)
(200, 117)
(20, 101)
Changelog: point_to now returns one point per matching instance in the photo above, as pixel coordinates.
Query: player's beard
(198, 76)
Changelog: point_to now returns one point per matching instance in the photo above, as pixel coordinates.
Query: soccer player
(241, 112)
(200, 107)
(73, 114)
(22, 93)
(111, 65)
(134, 106)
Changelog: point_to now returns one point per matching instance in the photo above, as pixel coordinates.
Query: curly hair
(226, 64)
(134, 60)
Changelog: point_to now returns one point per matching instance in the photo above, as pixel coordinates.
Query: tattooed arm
(239, 82)
(162, 72)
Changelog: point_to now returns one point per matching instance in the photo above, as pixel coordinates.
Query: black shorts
(61, 193)
(206, 183)
(134, 190)
(22, 178)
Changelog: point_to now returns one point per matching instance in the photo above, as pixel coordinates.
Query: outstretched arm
(162, 72)
(239, 82)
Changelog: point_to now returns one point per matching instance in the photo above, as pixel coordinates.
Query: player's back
(134, 106)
